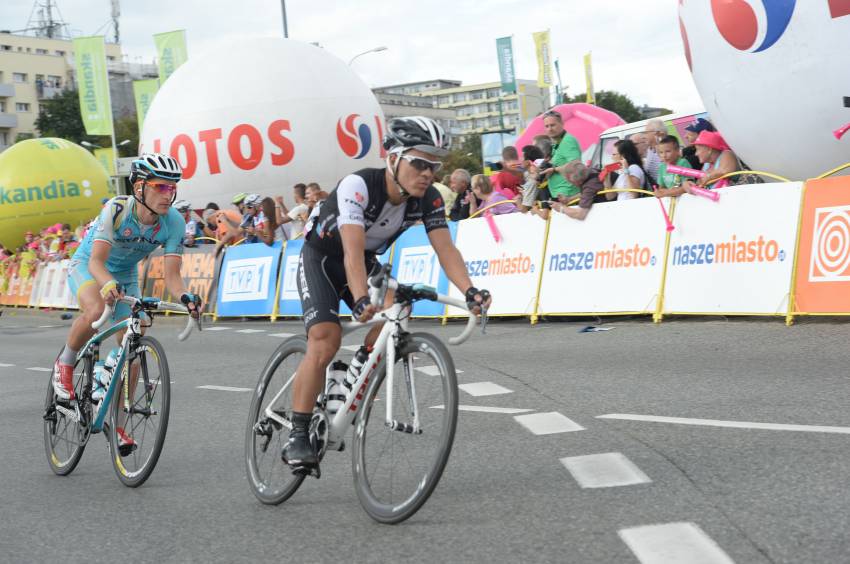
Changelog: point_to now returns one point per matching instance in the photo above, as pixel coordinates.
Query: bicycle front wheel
(272, 481)
(395, 471)
(65, 437)
(140, 408)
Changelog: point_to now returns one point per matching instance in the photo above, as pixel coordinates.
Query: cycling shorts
(79, 277)
(322, 283)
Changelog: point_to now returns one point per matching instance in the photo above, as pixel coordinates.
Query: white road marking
(548, 423)
(728, 424)
(605, 470)
(484, 389)
(433, 370)
(48, 326)
(217, 328)
(483, 409)
(282, 335)
(251, 331)
(4, 365)
(224, 388)
(39, 369)
(673, 543)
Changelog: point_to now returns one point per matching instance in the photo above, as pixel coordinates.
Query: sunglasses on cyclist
(162, 188)
(421, 164)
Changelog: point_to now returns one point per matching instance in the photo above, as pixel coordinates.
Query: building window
(41, 51)
(5, 47)
(444, 100)
(461, 97)
(60, 53)
(19, 77)
(478, 95)
(54, 81)
(4, 138)
(110, 58)
(22, 107)
(494, 92)
(2, 107)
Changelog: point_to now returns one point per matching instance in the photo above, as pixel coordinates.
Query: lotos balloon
(261, 115)
(772, 75)
(46, 181)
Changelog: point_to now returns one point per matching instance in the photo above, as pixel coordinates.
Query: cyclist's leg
(318, 289)
(91, 308)
(372, 267)
(122, 311)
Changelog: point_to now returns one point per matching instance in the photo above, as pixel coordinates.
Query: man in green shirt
(565, 149)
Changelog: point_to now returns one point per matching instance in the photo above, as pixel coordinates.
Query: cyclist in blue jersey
(105, 266)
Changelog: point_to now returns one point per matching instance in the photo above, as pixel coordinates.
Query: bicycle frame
(395, 320)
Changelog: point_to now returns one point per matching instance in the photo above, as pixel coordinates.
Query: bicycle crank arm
(142, 411)
(68, 413)
(403, 427)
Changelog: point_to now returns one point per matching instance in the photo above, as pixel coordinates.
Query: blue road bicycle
(136, 400)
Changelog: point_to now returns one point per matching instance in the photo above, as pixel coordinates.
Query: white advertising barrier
(510, 268)
(51, 288)
(734, 256)
(610, 262)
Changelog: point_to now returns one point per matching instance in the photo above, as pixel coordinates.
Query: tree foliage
(616, 102)
(61, 117)
(466, 155)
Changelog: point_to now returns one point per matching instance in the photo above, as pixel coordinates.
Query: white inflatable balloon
(261, 115)
(773, 77)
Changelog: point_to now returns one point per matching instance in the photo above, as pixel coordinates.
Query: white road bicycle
(403, 431)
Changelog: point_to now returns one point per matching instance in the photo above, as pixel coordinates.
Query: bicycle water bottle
(109, 367)
(97, 389)
(335, 392)
(356, 366)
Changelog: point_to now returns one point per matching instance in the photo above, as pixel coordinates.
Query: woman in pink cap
(716, 157)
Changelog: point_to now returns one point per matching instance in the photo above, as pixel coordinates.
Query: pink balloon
(584, 121)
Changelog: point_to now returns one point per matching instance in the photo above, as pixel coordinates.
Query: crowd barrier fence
(780, 249)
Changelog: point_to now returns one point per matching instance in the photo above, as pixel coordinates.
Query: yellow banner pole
(659, 306)
(534, 316)
(792, 297)
(279, 278)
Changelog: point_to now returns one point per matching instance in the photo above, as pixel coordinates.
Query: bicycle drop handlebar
(159, 306)
(380, 282)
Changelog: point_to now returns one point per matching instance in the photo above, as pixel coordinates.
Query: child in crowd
(508, 180)
(483, 190)
(530, 186)
(670, 184)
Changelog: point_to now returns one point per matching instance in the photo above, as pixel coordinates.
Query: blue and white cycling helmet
(252, 201)
(155, 165)
(182, 206)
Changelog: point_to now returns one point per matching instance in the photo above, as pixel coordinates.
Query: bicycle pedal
(307, 471)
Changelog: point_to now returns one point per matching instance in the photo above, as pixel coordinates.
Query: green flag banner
(93, 83)
(505, 50)
(144, 91)
(106, 157)
(171, 52)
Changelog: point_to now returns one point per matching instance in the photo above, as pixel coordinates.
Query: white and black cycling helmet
(155, 165)
(416, 132)
(182, 206)
(252, 201)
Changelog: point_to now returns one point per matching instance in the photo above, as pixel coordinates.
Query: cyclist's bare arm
(97, 264)
(450, 258)
(354, 253)
(173, 280)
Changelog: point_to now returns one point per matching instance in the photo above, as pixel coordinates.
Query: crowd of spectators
(549, 175)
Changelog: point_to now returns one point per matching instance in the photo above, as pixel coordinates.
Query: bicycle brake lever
(483, 320)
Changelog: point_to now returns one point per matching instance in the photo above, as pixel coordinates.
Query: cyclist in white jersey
(366, 212)
(105, 267)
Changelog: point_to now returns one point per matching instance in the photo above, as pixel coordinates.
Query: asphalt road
(708, 487)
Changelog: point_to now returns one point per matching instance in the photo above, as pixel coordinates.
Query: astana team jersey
(131, 241)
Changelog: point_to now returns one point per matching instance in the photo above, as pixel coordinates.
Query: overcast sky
(636, 46)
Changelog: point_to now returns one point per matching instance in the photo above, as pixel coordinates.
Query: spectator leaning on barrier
(655, 131)
(460, 182)
(565, 149)
(508, 180)
(691, 133)
(258, 222)
(631, 174)
(588, 180)
(225, 226)
(641, 143)
(483, 190)
(446, 192)
(296, 218)
(531, 154)
(670, 184)
(716, 157)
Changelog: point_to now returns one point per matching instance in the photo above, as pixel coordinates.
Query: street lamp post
(373, 50)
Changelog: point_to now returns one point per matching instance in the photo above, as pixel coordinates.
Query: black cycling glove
(359, 307)
(471, 302)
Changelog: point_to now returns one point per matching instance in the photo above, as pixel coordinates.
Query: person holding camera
(565, 149)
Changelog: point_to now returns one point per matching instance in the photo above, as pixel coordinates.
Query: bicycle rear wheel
(272, 481)
(395, 471)
(142, 411)
(65, 437)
